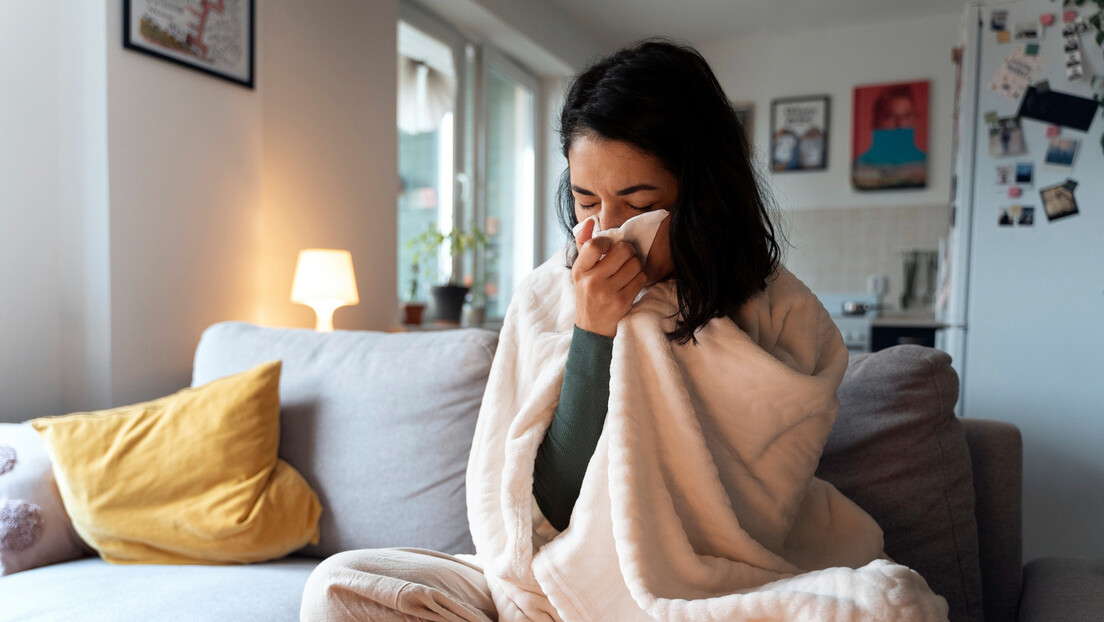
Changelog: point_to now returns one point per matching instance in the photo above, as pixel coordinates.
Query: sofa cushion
(380, 425)
(188, 478)
(92, 590)
(35, 529)
(898, 451)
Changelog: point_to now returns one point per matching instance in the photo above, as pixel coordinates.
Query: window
(466, 122)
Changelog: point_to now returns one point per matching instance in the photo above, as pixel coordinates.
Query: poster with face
(799, 134)
(889, 147)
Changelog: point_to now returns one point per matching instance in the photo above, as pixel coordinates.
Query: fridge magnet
(991, 117)
(215, 37)
(1015, 74)
(1027, 31)
(1004, 36)
(1004, 219)
(1058, 108)
(1061, 151)
(1006, 138)
(1053, 130)
(1026, 217)
(1046, 19)
(1004, 174)
(799, 133)
(889, 142)
(1031, 49)
(1024, 173)
(1014, 192)
(1058, 200)
(998, 20)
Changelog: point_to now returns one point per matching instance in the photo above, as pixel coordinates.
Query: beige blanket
(700, 502)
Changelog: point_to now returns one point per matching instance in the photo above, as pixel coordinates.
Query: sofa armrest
(996, 456)
(1067, 589)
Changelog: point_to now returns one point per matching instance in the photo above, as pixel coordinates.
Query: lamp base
(324, 310)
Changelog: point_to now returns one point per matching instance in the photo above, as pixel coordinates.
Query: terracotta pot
(412, 313)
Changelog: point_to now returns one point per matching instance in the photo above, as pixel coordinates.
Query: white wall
(833, 61)
(185, 154)
(30, 275)
(330, 166)
(141, 201)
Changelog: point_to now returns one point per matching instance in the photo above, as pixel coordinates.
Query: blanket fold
(699, 503)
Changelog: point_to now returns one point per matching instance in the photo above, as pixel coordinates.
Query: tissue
(640, 231)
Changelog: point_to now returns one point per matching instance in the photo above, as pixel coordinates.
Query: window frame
(484, 55)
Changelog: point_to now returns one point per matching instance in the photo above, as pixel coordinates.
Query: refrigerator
(1022, 291)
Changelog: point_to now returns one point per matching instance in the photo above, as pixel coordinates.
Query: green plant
(426, 246)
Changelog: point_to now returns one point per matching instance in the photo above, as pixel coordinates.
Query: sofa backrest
(379, 424)
(900, 453)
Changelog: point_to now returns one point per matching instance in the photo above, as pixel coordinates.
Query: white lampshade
(324, 281)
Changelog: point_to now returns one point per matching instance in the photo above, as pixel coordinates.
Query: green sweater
(572, 437)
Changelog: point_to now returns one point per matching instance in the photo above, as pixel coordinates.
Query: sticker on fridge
(1016, 74)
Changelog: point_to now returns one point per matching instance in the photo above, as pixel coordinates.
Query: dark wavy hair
(662, 97)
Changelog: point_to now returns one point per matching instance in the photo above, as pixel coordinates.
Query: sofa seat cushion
(93, 590)
(900, 453)
(1068, 589)
(379, 424)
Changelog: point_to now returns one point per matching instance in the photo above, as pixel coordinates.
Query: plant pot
(412, 313)
(448, 303)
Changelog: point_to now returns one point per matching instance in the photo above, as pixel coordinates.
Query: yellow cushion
(192, 478)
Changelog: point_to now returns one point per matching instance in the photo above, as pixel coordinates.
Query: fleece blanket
(700, 502)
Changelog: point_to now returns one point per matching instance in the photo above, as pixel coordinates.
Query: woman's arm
(571, 438)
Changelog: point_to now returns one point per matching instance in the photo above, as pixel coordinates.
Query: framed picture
(212, 36)
(889, 146)
(799, 133)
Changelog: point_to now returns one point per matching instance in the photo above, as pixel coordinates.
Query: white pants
(397, 584)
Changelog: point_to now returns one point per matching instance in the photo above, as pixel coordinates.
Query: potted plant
(448, 294)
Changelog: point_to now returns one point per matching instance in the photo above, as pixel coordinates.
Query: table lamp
(324, 281)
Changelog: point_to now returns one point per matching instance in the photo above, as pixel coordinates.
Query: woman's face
(617, 181)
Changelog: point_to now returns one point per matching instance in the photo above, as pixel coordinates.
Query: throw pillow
(192, 478)
(34, 527)
(899, 452)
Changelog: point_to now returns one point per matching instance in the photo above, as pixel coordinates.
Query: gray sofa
(381, 424)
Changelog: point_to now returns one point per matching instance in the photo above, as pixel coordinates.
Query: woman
(656, 409)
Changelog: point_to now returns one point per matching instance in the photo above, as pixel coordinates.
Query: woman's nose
(611, 218)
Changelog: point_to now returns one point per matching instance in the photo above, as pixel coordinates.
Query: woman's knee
(328, 586)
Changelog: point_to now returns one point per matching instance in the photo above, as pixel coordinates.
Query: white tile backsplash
(835, 250)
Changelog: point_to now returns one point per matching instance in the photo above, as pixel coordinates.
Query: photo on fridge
(1058, 200)
(1006, 138)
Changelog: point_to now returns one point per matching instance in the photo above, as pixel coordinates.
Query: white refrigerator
(1023, 294)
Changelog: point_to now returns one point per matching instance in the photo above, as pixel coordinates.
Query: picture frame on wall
(890, 136)
(215, 37)
(799, 133)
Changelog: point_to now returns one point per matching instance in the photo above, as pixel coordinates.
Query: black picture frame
(799, 132)
(151, 28)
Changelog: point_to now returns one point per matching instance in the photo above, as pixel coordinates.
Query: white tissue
(640, 231)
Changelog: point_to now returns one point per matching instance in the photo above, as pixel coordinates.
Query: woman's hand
(605, 287)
